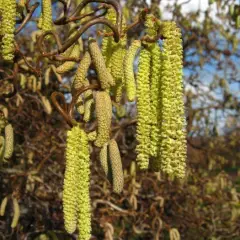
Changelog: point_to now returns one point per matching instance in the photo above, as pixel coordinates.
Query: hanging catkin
(76, 200)
(103, 156)
(3, 206)
(88, 103)
(16, 213)
(2, 147)
(104, 76)
(143, 108)
(46, 17)
(9, 140)
(129, 71)
(116, 166)
(155, 78)
(173, 136)
(70, 178)
(8, 28)
(82, 71)
(82, 191)
(80, 81)
(104, 116)
(69, 65)
(108, 42)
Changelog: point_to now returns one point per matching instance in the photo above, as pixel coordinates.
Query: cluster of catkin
(160, 108)
(158, 92)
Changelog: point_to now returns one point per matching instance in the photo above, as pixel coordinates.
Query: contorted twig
(67, 109)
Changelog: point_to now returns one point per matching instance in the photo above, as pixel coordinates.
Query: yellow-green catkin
(143, 109)
(80, 105)
(8, 28)
(70, 178)
(16, 213)
(118, 52)
(173, 135)
(92, 136)
(104, 117)
(116, 166)
(82, 182)
(46, 23)
(155, 78)
(80, 81)
(69, 65)
(108, 41)
(9, 142)
(128, 62)
(151, 29)
(117, 58)
(103, 157)
(82, 71)
(104, 76)
(76, 200)
(88, 103)
(1, 9)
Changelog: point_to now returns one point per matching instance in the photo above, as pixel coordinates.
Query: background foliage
(203, 206)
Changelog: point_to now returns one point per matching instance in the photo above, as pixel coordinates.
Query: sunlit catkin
(129, 71)
(173, 135)
(9, 141)
(8, 28)
(69, 65)
(103, 157)
(70, 178)
(104, 116)
(82, 71)
(46, 23)
(104, 76)
(76, 200)
(117, 58)
(108, 41)
(155, 78)
(82, 181)
(116, 166)
(16, 213)
(143, 108)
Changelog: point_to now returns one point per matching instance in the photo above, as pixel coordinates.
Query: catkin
(8, 28)
(3, 206)
(104, 116)
(103, 156)
(76, 200)
(70, 178)
(173, 135)
(116, 166)
(143, 108)
(80, 105)
(117, 70)
(9, 140)
(108, 42)
(104, 76)
(92, 136)
(155, 98)
(82, 71)
(69, 65)
(82, 182)
(46, 22)
(128, 70)
(2, 147)
(16, 213)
